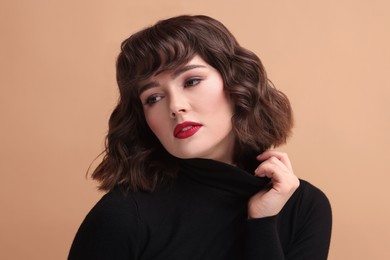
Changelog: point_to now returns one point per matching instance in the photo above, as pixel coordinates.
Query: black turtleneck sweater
(203, 215)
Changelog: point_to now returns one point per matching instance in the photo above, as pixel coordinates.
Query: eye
(192, 82)
(153, 99)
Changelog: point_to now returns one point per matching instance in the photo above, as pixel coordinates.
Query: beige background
(58, 88)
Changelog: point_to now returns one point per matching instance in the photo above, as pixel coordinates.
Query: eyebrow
(175, 74)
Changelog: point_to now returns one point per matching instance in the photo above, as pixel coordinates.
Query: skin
(276, 166)
(195, 93)
(190, 93)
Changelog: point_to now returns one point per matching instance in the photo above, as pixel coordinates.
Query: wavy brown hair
(262, 114)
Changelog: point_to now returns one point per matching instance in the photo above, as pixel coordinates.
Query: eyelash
(190, 83)
(151, 100)
(187, 82)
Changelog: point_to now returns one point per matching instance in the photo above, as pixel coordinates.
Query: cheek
(155, 122)
(217, 102)
(214, 99)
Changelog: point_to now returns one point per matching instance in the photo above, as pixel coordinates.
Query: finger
(271, 168)
(283, 157)
(283, 181)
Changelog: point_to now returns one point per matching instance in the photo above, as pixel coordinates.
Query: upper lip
(180, 126)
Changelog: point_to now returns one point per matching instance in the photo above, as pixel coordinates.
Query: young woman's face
(189, 112)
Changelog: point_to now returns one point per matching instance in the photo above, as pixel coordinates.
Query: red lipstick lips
(186, 129)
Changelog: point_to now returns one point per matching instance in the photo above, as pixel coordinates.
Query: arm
(301, 231)
(307, 216)
(314, 226)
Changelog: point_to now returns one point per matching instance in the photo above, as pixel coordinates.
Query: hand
(276, 166)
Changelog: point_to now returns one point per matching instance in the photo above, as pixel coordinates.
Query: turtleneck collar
(222, 176)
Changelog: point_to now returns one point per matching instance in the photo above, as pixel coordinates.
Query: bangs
(155, 50)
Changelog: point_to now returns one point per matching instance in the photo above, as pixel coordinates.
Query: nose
(177, 103)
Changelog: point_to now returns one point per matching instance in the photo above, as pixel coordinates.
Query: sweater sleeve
(109, 231)
(263, 239)
(307, 235)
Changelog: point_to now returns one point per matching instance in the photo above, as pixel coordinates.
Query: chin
(185, 156)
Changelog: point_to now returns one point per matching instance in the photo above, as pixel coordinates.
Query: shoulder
(309, 196)
(111, 227)
(310, 207)
(114, 211)
(114, 206)
(116, 214)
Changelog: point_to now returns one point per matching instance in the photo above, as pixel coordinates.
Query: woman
(187, 164)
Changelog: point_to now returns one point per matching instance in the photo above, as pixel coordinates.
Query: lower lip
(189, 132)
